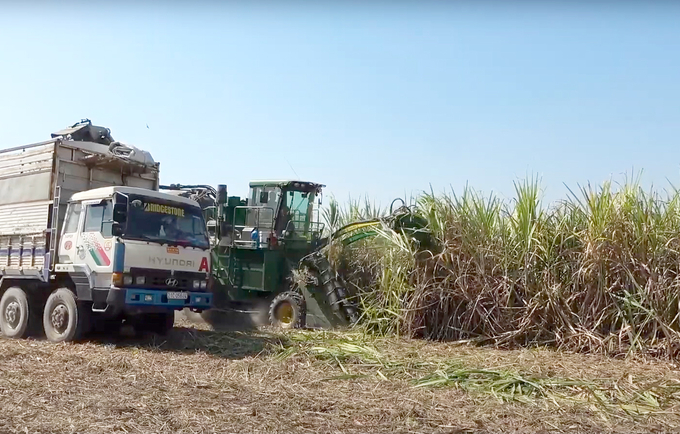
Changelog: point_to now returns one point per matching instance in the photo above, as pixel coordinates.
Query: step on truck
(88, 242)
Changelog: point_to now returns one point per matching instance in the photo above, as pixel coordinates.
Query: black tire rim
(13, 313)
(59, 318)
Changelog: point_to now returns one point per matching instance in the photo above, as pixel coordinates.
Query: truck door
(94, 246)
(69, 236)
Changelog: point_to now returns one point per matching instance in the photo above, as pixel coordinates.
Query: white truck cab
(131, 250)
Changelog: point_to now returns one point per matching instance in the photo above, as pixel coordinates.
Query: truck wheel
(64, 319)
(105, 325)
(288, 310)
(15, 315)
(159, 323)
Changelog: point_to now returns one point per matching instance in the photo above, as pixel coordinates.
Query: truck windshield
(166, 222)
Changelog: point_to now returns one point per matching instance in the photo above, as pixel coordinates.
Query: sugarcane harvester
(269, 249)
(259, 242)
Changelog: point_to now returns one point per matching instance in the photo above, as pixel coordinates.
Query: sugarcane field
(339, 217)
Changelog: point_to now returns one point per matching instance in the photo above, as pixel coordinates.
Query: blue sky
(368, 98)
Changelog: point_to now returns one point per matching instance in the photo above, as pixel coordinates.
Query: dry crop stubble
(201, 380)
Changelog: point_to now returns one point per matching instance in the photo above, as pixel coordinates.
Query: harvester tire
(288, 310)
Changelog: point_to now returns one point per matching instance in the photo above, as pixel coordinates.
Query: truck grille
(161, 281)
(156, 279)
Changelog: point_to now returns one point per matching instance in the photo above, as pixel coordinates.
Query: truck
(88, 242)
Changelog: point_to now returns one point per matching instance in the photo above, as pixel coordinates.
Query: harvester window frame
(302, 220)
(273, 199)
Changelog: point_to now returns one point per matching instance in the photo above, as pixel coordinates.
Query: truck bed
(37, 178)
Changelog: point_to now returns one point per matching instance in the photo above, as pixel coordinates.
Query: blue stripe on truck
(119, 258)
(150, 297)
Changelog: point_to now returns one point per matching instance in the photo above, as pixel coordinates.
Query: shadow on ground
(227, 319)
(188, 340)
(224, 335)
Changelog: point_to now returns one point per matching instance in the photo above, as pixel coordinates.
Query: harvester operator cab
(274, 213)
(279, 211)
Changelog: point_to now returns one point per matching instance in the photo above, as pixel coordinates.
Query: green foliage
(334, 216)
(595, 272)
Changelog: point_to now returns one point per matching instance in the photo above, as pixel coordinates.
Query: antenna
(291, 168)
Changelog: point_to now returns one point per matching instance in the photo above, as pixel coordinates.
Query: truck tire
(64, 319)
(163, 323)
(106, 326)
(288, 310)
(16, 318)
(159, 323)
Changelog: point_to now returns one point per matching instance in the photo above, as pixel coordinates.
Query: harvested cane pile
(597, 272)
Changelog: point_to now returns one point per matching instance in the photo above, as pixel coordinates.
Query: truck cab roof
(282, 183)
(106, 192)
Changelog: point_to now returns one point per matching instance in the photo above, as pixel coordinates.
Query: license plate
(178, 295)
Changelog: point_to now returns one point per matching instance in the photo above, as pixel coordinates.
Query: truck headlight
(197, 284)
(117, 279)
(140, 280)
(204, 284)
(127, 280)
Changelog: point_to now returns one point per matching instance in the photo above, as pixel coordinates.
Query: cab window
(96, 215)
(267, 197)
(72, 218)
(298, 204)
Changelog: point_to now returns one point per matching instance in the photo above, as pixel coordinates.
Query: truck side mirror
(264, 197)
(120, 209)
(221, 194)
(119, 212)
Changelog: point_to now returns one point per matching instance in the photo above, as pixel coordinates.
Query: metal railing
(244, 231)
(306, 227)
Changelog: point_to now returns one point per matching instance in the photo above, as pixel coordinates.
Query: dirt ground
(198, 379)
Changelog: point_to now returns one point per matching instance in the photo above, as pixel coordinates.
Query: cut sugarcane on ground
(200, 380)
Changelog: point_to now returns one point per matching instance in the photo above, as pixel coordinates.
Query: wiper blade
(162, 241)
(157, 240)
(196, 244)
(145, 238)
